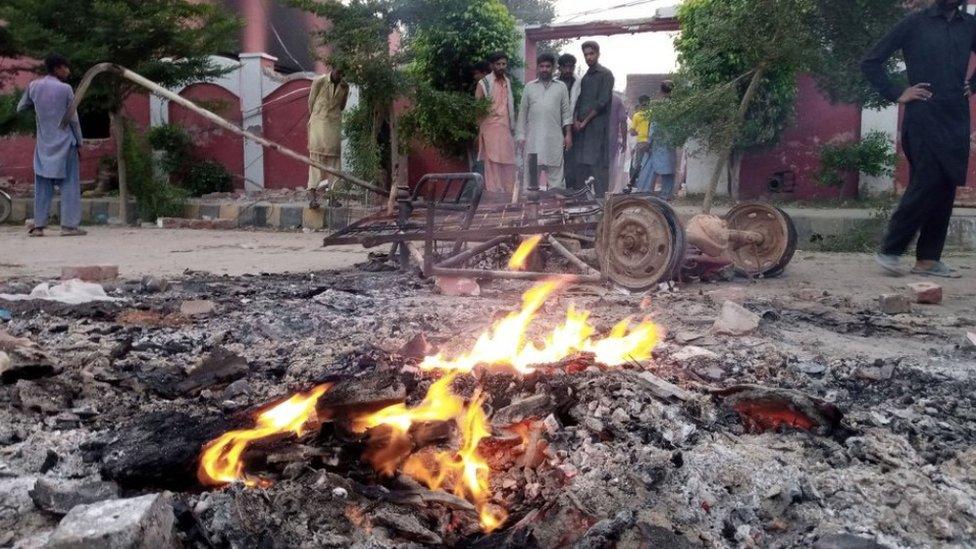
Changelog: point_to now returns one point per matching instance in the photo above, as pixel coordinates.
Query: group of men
(566, 121)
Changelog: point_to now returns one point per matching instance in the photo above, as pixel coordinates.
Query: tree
(168, 41)
(740, 58)
(532, 12)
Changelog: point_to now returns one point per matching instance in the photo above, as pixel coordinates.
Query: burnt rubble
(832, 424)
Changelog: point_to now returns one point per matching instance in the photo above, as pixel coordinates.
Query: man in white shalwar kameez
(545, 121)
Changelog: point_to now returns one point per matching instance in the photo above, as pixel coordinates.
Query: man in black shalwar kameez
(936, 44)
(591, 121)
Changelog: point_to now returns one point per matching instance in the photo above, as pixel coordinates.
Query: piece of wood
(118, 128)
(665, 389)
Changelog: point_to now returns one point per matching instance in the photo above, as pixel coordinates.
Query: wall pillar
(254, 35)
(252, 92)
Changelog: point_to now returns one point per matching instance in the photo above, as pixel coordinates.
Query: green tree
(532, 12)
(445, 38)
(740, 58)
(167, 41)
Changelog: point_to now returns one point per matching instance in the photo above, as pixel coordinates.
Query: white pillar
(252, 92)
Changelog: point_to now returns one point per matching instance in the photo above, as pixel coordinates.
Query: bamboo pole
(740, 117)
(163, 92)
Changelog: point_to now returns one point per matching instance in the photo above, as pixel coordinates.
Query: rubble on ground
(817, 419)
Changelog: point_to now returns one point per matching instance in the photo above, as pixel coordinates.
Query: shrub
(874, 155)
(155, 198)
(198, 177)
(206, 176)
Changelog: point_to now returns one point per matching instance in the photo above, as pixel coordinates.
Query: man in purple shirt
(56, 148)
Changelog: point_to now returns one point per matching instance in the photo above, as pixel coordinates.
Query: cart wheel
(6, 207)
(770, 258)
(639, 242)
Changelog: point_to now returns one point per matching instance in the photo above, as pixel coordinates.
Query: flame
(521, 255)
(220, 460)
(506, 344)
(464, 470)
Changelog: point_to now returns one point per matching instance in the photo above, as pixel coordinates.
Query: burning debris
(348, 410)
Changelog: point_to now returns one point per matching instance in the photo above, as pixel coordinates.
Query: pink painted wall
(817, 122)
(17, 152)
(286, 122)
(211, 141)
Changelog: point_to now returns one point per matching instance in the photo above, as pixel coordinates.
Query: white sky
(625, 53)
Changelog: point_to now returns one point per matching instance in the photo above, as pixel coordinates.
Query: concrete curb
(811, 224)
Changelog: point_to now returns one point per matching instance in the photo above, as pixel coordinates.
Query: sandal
(73, 232)
(36, 232)
(940, 270)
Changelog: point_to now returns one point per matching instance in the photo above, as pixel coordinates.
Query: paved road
(169, 252)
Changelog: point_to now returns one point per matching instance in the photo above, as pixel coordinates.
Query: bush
(11, 121)
(445, 120)
(874, 155)
(198, 177)
(155, 198)
(205, 177)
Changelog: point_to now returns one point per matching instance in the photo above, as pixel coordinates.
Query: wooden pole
(118, 128)
(217, 120)
(726, 152)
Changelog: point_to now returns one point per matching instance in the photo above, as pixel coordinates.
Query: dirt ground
(876, 450)
(166, 252)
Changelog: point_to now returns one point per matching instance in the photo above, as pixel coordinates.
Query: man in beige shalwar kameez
(326, 101)
(544, 122)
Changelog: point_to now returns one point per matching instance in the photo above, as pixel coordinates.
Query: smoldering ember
(369, 409)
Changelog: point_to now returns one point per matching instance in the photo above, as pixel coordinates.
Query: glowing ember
(521, 255)
(220, 461)
(506, 343)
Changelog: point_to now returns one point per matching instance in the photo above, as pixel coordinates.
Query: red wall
(817, 122)
(17, 152)
(212, 142)
(286, 122)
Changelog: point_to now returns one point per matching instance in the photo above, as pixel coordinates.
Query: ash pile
(347, 409)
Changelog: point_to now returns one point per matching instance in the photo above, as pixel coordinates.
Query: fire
(521, 255)
(464, 470)
(220, 461)
(506, 344)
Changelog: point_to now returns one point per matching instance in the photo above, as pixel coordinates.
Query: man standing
(935, 134)
(496, 142)
(56, 148)
(567, 75)
(640, 125)
(661, 157)
(326, 101)
(592, 116)
(545, 120)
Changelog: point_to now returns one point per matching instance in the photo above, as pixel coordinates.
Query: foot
(935, 268)
(36, 232)
(68, 231)
(891, 264)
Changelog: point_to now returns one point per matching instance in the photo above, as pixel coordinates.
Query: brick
(894, 304)
(90, 273)
(229, 211)
(60, 496)
(927, 293)
(734, 319)
(145, 521)
(19, 210)
(259, 215)
(200, 224)
(457, 286)
(211, 211)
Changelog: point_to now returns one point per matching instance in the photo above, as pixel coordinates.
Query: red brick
(90, 273)
(456, 286)
(926, 293)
